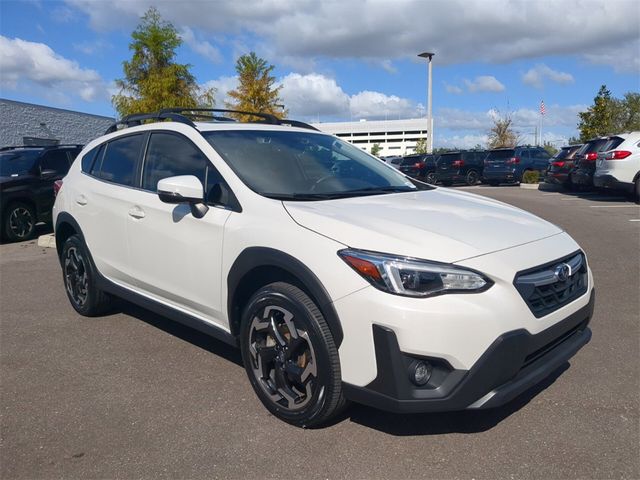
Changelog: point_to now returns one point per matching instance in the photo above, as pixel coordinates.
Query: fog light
(420, 372)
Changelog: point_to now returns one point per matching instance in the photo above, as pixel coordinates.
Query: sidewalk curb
(47, 241)
(529, 186)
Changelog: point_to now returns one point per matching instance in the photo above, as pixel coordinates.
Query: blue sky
(348, 59)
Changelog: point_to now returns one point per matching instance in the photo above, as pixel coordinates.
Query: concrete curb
(529, 186)
(47, 241)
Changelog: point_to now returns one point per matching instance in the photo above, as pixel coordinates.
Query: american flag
(542, 109)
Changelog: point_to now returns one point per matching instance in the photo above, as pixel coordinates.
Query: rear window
(501, 154)
(449, 157)
(411, 160)
(612, 144)
(563, 153)
(593, 146)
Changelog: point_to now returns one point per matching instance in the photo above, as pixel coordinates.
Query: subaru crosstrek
(338, 277)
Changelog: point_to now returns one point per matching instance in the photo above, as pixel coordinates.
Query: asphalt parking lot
(131, 395)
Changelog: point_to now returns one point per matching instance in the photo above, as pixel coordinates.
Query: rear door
(497, 160)
(540, 159)
(102, 201)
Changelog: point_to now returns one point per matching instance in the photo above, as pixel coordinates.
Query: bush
(531, 176)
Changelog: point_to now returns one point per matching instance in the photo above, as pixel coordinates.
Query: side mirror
(183, 189)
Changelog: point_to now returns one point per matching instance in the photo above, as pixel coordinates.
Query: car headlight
(412, 277)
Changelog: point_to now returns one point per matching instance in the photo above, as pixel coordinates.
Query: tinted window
(447, 158)
(540, 154)
(56, 160)
(17, 162)
(500, 154)
(563, 153)
(171, 155)
(87, 160)
(119, 161)
(612, 144)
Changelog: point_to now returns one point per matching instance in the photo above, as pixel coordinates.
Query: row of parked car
(604, 162)
(500, 165)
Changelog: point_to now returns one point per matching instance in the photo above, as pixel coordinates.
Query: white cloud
(200, 46)
(222, 87)
(24, 64)
(484, 83)
(313, 95)
(453, 89)
(460, 141)
(535, 76)
(457, 30)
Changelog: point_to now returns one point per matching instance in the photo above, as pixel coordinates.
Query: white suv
(337, 276)
(618, 165)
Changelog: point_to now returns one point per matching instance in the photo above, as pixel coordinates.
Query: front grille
(545, 290)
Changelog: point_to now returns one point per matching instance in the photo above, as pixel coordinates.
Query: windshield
(14, 163)
(305, 166)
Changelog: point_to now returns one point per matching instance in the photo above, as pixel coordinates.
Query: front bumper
(513, 363)
(609, 181)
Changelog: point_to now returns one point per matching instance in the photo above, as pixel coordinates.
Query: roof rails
(185, 115)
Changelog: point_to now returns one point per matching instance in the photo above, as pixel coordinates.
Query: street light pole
(429, 56)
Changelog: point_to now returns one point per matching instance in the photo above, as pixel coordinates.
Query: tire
(19, 222)
(80, 279)
(472, 178)
(431, 178)
(636, 190)
(296, 377)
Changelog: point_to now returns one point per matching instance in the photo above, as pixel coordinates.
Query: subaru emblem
(562, 272)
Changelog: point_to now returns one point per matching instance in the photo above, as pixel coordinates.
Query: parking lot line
(634, 219)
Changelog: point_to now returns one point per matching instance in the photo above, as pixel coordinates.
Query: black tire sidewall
(303, 318)
(6, 230)
(92, 291)
(474, 174)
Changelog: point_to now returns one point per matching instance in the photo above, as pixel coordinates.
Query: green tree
(627, 113)
(421, 146)
(256, 90)
(551, 150)
(502, 134)
(152, 79)
(598, 120)
(375, 149)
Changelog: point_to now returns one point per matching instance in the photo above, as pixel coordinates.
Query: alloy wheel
(282, 358)
(21, 222)
(431, 178)
(76, 277)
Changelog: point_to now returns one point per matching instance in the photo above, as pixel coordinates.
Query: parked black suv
(465, 166)
(27, 175)
(504, 165)
(585, 162)
(561, 166)
(422, 166)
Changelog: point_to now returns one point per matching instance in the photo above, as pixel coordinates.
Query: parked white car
(338, 277)
(618, 166)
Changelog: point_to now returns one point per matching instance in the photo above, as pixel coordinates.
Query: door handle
(136, 212)
(81, 200)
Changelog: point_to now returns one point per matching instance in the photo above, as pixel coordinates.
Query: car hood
(441, 224)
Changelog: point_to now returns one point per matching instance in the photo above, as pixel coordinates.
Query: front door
(176, 258)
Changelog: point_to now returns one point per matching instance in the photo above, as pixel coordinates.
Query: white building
(395, 137)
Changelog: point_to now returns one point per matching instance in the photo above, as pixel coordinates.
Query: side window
(87, 160)
(119, 161)
(95, 167)
(56, 160)
(171, 155)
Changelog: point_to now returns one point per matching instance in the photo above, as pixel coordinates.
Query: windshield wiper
(345, 194)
